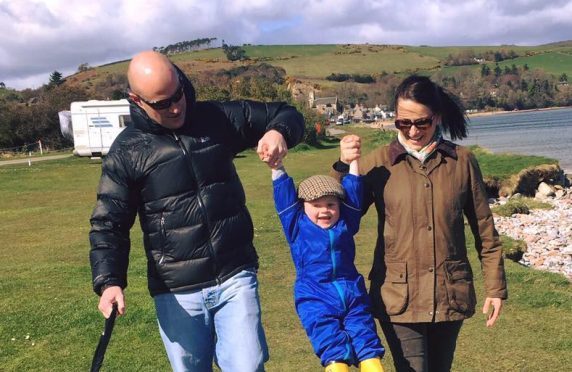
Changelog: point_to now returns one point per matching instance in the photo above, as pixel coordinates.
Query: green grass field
(556, 63)
(50, 321)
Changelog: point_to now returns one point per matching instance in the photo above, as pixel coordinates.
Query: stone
(559, 194)
(545, 189)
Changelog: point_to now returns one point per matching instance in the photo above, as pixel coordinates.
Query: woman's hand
(350, 148)
(497, 306)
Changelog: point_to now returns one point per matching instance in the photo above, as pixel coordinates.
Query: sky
(38, 37)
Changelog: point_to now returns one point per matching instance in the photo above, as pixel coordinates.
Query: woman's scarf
(427, 150)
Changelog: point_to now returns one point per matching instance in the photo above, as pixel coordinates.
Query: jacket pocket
(395, 288)
(459, 286)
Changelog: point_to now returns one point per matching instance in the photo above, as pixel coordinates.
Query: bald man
(174, 166)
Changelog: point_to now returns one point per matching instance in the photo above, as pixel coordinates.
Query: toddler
(330, 296)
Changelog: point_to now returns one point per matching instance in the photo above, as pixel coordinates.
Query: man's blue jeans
(223, 318)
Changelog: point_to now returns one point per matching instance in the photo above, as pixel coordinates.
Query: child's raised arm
(354, 167)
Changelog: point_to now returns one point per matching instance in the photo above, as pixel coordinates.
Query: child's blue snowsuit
(330, 295)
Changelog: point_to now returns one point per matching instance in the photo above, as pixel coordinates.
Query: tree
(563, 78)
(83, 67)
(485, 71)
(56, 78)
(234, 53)
(20, 124)
(498, 70)
(2, 85)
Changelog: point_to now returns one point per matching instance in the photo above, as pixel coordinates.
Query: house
(359, 114)
(325, 105)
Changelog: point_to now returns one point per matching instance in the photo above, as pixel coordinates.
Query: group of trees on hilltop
(186, 46)
(470, 57)
(357, 78)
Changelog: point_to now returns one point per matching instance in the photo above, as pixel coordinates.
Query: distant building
(324, 105)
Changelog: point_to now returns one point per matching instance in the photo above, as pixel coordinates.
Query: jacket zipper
(164, 236)
(337, 284)
(199, 200)
(335, 268)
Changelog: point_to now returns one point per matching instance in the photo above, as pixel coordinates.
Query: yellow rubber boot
(371, 365)
(337, 367)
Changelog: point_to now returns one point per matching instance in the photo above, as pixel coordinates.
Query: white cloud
(38, 37)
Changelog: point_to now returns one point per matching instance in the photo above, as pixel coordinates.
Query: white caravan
(93, 125)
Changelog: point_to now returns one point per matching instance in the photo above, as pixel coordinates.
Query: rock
(545, 189)
(540, 196)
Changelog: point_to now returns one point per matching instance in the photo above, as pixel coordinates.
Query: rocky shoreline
(547, 233)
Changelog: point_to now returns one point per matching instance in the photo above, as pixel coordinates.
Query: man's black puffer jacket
(183, 183)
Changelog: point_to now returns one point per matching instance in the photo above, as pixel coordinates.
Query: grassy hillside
(555, 62)
(315, 62)
(49, 316)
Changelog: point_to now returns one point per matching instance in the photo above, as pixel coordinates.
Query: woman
(422, 185)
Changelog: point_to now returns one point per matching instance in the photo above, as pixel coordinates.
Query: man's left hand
(272, 148)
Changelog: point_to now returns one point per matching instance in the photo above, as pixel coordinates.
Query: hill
(314, 63)
(502, 77)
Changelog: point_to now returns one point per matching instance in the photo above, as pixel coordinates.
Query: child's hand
(265, 156)
(276, 165)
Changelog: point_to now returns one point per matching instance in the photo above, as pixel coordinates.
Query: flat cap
(315, 187)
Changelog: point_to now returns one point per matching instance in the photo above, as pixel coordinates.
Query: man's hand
(350, 148)
(110, 296)
(272, 148)
(497, 307)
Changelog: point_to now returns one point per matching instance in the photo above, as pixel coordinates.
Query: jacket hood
(143, 122)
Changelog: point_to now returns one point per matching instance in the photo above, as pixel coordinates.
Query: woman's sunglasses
(422, 123)
(167, 102)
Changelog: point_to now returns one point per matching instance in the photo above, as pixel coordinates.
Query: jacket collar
(143, 122)
(397, 152)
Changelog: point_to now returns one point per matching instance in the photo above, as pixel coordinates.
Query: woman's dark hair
(422, 90)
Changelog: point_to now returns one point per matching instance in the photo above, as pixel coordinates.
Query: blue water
(545, 133)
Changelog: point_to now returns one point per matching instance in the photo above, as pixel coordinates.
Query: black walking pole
(103, 341)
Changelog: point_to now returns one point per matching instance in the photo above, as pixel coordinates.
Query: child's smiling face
(324, 211)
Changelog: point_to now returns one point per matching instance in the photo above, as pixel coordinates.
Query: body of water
(545, 133)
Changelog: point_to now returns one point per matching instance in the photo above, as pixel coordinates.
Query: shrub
(513, 249)
(520, 205)
(513, 206)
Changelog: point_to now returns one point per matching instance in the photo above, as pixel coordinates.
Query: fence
(37, 148)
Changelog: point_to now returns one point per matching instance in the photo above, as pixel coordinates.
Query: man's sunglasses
(167, 102)
(422, 123)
